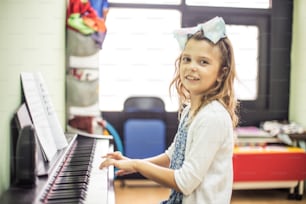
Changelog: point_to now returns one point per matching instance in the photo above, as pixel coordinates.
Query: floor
(139, 192)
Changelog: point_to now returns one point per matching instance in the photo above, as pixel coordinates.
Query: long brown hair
(223, 91)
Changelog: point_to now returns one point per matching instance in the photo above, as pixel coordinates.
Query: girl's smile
(192, 78)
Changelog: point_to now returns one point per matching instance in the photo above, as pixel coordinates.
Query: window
(264, 4)
(138, 56)
(170, 2)
(139, 51)
(245, 44)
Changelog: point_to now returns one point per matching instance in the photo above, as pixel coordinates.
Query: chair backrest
(144, 103)
(144, 127)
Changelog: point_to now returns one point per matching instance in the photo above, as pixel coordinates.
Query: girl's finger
(106, 163)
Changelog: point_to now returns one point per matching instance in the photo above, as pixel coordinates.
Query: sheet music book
(251, 131)
(48, 129)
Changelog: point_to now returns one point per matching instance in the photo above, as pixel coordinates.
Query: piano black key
(69, 186)
(81, 151)
(74, 173)
(66, 201)
(78, 163)
(67, 180)
(67, 193)
(76, 168)
(72, 195)
(75, 159)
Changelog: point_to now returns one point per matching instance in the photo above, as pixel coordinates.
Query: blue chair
(144, 127)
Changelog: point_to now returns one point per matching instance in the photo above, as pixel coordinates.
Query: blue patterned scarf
(178, 158)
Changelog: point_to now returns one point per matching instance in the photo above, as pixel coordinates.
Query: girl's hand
(126, 166)
(115, 155)
(116, 159)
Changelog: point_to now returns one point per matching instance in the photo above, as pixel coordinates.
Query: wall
(297, 108)
(32, 38)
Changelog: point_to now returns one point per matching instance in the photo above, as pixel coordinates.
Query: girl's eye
(203, 62)
(185, 59)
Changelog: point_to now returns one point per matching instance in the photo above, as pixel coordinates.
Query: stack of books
(252, 135)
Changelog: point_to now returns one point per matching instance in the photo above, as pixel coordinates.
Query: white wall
(32, 38)
(297, 111)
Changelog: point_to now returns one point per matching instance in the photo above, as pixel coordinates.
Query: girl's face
(199, 66)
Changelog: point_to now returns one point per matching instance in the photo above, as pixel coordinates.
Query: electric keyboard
(75, 177)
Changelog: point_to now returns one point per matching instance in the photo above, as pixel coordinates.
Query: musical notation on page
(49, 132)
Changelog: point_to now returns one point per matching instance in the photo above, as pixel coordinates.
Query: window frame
(274, 52)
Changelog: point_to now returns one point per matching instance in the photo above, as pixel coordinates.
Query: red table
(260, 167)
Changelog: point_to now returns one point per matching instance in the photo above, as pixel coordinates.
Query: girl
(198, 164)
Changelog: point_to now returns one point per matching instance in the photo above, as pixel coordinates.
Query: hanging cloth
(101, 7)
(82, 15)
(86, 29)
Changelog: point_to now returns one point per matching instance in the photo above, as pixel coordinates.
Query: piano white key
(98, 186)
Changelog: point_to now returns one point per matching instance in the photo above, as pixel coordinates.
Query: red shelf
(269, 165)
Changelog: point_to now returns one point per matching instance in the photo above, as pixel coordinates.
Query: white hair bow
(214, 30)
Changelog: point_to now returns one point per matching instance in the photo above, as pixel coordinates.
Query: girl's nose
(192, 66)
